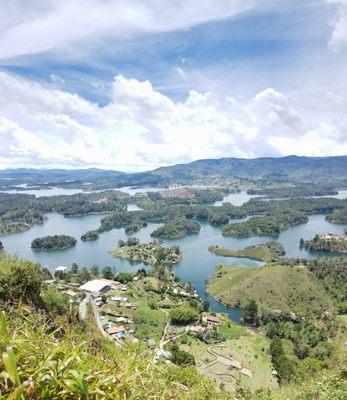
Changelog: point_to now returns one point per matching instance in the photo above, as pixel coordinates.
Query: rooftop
(96, 285)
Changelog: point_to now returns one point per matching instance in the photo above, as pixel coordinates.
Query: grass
(252, 351)
(74, 362)
(267, 252)
(272, 286)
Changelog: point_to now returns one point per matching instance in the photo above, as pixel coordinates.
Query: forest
(56, 242)
(176, 228)
(303, 190)
(327, 242)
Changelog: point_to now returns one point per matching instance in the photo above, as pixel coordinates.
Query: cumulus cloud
(34, 27)
(141, 128)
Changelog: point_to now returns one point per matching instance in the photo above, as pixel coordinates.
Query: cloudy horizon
(132, 87)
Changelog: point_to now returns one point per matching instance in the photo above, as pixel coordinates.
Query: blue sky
(152, 86)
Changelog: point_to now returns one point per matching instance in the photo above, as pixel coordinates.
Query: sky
(135, 85)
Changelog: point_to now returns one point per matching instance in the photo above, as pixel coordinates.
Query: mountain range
(268, 169)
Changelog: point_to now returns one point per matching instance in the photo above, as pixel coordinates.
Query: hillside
(269, 168)
(291, 168)
(273, 286)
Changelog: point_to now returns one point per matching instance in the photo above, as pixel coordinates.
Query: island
(265, 225)
(1, 246)
(90, 235)
(176, 228)
(13, 228)
(149, 253)
(267, 252)
(56, 242)
(338, 216)
(303, 190)
(135, 226)
(327, 242)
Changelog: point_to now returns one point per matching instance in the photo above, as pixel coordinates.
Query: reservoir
(197, 262)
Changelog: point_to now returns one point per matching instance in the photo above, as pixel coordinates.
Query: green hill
(272, 286)
(268, 251)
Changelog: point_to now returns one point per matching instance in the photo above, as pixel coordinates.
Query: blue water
(197, 263)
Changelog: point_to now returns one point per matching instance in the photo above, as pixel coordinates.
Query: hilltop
(274, 286)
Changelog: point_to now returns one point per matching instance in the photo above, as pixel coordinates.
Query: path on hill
(83, 307)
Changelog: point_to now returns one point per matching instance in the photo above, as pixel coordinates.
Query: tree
(84, 275)
(124, 277)
(107, 272)
(183, 315)
(142, 273)
(46, 274)
(95, 270)
(205, 306)
(55, 302)
(285, 368)
(181, 357)
(74, 268)
(250, 312)
(20, 280)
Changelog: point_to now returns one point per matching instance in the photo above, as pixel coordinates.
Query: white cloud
(57, 79)
(141, 128)
(27, 28)
(339, 25)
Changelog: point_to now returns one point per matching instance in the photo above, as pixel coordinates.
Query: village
(156, 311)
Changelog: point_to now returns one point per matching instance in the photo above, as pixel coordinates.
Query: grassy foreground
(46, 360)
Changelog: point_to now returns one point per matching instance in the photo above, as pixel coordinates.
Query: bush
(55, 302)
(181, 357)
(20, 280)
(183, 315)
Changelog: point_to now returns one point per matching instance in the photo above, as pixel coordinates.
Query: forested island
(326, 242)
(149, 253)
(1, 246)
(176, 228)
(267, 252)
(338, 216)
(134, 227)
(304, 190)
(90, 235)
(56, 242)
(265, 225)
(6, 229)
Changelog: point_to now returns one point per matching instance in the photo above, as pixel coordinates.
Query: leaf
(10, 365)
(4, 334)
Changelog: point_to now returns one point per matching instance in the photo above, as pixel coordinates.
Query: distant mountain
(271, 169)
(291, 168)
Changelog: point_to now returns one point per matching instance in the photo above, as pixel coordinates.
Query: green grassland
(250, 350)
(267, 252)
(273, 286)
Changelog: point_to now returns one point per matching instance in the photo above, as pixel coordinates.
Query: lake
(197, 263)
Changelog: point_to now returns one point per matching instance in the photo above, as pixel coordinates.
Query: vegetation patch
(149, 253)
(267, 252)
(56, 242)
(176, 228)
(275, 287)
(326, 242)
